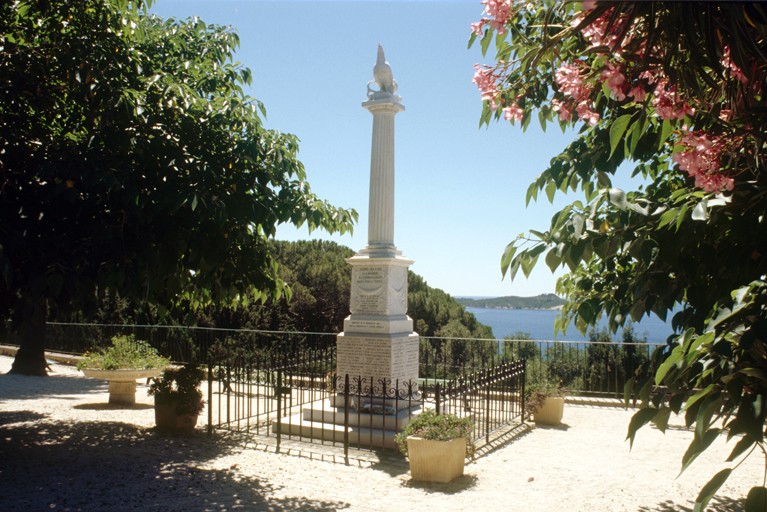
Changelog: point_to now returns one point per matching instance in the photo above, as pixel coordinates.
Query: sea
(540, 325)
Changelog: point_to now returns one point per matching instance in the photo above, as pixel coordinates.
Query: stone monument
(378, 344)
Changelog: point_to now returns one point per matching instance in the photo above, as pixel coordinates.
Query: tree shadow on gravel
(717, 504)
(8, 417)
(119, 466)
(25, 387)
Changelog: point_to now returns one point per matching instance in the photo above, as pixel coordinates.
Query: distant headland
(544, 301)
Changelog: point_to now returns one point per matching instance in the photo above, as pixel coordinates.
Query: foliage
(536, 394)
(677, 88)
(130, 147)
(543, 301)
(438, 427)
(320, 281)
(125, 353)
(185, 394)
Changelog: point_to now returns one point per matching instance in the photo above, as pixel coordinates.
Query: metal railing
(582, 368)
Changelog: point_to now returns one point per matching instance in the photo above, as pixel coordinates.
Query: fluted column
(381, 205)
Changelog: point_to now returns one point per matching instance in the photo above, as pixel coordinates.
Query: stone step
(296, 426)
(323, 412)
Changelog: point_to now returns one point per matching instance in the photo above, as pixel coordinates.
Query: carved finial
(382, 77)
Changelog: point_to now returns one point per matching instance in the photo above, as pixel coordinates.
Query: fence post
(522, 394)
(278, 392)
(346, 417)
(487, 407)
(210, 395)
(437, 398)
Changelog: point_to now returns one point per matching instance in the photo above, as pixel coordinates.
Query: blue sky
(460, 190)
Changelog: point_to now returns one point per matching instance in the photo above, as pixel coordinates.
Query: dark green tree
(132, 163)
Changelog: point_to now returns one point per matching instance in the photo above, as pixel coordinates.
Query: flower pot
(165, 418)
(436, 461)
(122, 383)
(550, 413)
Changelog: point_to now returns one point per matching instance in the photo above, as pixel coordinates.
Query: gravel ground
(63, 447)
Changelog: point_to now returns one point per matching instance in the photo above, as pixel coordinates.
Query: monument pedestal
(378, 345)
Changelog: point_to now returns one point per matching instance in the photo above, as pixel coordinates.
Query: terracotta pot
(550, 413)
(166, 418)
(436, 461)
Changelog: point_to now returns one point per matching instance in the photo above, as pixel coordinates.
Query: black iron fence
(582, 368)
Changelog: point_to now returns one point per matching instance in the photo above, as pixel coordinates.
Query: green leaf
(552, 260)
(756, 501)
(627, 389)
(472, 39)
(485, 42)
(617, 130)
(670, 361)
(551, 189)
(682, 214)
(528, 264)
(741, 446)
(640, 418)
(708, 491)
(751, 415)
(508, 254)
(515, 266)
(661, 419)
(667, 217)
(532, 193)
(665, 133)
(698, 446)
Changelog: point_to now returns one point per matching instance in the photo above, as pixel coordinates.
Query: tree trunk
(30, 359)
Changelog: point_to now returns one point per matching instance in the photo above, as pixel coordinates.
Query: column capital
(383, 105)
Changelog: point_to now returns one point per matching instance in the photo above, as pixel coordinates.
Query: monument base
(378, 324)
(379, 363)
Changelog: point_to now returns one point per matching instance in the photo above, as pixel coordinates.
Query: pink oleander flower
(596, 32)
(563, 109)
(477, 27)
(735, 71)
(614, 80)
(501, 11)
(485, 81)
(668, 105)
(647, 75)
(701, 159)
(638, 93)
(569, 81)
(513, 112)
(586, 114)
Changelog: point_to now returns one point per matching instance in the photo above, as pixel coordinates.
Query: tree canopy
(672, 92)
(133, 162)
(320, 282)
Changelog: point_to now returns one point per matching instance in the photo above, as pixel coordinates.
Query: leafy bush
(536, 395)
(438, 427)
(186, 394)
(125, 353)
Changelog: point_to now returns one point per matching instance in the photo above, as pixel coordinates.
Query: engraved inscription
(367, 276)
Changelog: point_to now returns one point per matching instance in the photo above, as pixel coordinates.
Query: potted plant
(436, 446)
(545, 402)
(126, 360)
(177, 398)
